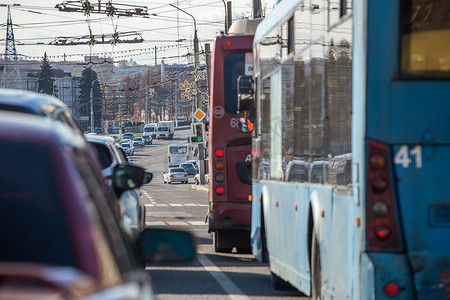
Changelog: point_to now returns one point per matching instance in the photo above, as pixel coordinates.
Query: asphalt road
(182, 207)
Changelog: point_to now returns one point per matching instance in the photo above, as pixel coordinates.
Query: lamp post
(226, 23)
(196, 58)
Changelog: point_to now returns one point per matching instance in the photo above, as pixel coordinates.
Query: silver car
(127, 147)
(175, 175)
(109, 154)
(138, 142)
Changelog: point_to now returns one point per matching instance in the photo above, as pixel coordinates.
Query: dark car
(128, 135)
(58, 219)
(148, 139)
(189, 168)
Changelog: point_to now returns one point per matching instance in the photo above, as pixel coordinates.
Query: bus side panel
(256, 230)
(341, 235)
(286, 211)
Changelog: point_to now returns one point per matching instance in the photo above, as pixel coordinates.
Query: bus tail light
(219, 152)
(220, 165)
(391, 289)
(219, 177)
(220, 190)
(383, 233)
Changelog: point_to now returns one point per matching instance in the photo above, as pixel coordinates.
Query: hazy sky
(38, 23)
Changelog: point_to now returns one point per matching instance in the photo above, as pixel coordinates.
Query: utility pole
(257, 9)
(230, 15)
(226, 18)
(146, 102)
(11, 77)
(208, 72)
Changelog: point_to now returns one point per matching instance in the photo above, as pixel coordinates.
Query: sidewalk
(200, 187)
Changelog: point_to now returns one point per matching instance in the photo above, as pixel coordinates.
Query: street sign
(199, 115)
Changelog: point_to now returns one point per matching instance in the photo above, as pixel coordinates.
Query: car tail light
(220, 190)
(383, 233)
(171, 175)
(185, 175)
(187, 157)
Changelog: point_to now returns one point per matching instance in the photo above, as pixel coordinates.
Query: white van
(150, 129)
(178, 153)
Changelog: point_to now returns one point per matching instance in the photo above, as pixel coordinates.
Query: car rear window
(32, 222)
(174, 170)
(103, 155)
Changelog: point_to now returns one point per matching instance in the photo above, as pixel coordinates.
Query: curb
(200, 188)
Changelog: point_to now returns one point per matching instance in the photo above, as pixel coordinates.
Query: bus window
(425, 38)
(233, 67)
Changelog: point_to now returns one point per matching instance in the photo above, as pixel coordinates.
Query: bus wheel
(316, 276)
(217, 248)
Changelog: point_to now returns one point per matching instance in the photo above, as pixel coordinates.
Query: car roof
(35, 104)
(99, 138)
(32, 128)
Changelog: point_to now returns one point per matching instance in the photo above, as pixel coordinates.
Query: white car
(127, 147)
(175, 175)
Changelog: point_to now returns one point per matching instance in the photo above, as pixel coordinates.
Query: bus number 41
(403, 156)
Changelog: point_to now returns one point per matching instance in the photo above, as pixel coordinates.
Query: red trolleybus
(229, 212)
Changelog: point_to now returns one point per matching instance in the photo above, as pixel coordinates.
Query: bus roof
(279, 14)
(244, 26)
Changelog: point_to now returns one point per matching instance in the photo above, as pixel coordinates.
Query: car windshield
(175, 170)
(126, 145)
(187, 165)
(31, 212)
(138, 139)
(163, 129)
(178, 150)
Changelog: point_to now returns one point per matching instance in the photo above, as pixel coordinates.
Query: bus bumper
(378, 270)
(229, 216)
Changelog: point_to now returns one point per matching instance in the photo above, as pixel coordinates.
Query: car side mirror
(126, 177)
(246, 110)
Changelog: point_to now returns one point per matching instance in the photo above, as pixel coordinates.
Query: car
(175, 175)
(197, 179)
(114, 130)
(138, 142)
(128, 147)
(98, 130)
(128, 135)
(111, 154)
(63, 237)
(148, 139)
(189, 168)
(195, 163)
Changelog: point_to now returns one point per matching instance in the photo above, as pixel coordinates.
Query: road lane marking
(177, 223)
(175, 204)
(229, 287)
(197, 223)
(155, 223)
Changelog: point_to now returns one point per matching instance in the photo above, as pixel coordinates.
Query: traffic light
(198, 133)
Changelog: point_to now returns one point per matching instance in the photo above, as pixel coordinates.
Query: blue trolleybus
(351, 148)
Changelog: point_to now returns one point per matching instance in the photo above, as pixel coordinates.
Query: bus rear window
(234, 66)
(425, 38)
